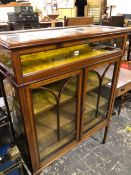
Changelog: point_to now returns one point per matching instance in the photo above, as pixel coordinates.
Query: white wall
(3, 13)
(122, 6)
(40, 5)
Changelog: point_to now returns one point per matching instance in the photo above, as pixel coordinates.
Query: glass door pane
(97, 96)
(55, 115)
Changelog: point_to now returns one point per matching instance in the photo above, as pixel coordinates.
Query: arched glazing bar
(58, 98)
(100, 78)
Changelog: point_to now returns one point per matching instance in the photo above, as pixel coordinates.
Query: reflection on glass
(97, 96)
(52, 58)
(5, 58)
(17, 119)
(55, 115)
(110, 44)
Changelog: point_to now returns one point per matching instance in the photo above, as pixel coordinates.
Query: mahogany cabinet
(56, 89)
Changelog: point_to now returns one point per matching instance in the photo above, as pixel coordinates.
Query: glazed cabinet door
(55, 113)
(98, 84)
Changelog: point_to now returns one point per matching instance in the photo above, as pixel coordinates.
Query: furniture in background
(59, 24)
(127, 19)
(45, 24)
(14, 4)
(59, 95)
(23, 17)
(129, 48)
(117, 21)
(10, 161)
(75, 21)
(124, 83)
(4, 26)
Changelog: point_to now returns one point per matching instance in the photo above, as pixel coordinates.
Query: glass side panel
(97, 96)
(17, 121)
(44, 60)
(109, 44)
(5, 58)
(55, 115)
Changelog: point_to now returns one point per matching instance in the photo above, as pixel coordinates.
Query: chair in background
(129, 48)
(117, 21)
(124, 82)
(75, 21)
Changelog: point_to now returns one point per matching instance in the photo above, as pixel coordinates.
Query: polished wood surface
(79, 51)
(12, 4)
(44, 36)
(76, 21)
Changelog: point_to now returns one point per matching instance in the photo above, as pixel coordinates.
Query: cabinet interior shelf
(47, 128)
(43, 101)
(46, 125)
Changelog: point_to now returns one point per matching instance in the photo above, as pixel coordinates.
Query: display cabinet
(56, 87)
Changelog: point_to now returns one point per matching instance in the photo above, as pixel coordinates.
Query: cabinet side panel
(17, 121)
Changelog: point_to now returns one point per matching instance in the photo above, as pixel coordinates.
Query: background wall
(69, 12)
(121, 6)
(3, 13)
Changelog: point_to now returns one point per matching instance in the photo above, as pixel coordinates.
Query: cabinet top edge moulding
(20, 39)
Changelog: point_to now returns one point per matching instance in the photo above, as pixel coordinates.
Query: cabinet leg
(121, 103)
(105, 134)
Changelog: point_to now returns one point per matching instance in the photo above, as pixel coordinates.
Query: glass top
(30, 37)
